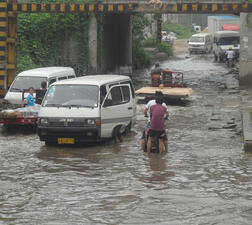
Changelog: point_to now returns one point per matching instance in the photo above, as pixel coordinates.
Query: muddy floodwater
(204, 178)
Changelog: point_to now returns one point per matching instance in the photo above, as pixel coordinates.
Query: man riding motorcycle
(146, 112)
(230, 57)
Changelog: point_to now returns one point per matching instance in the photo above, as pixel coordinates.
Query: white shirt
(230, 54)
(151, 103)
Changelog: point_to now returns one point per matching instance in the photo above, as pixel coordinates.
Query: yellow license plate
(65, 140)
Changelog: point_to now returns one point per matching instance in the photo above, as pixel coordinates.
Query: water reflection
(205, 178)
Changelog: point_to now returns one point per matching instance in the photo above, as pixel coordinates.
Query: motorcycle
(231, 61)
(155, 140)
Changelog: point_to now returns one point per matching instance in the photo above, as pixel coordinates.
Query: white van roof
(94, 80)
(226, 32)
(201, 35)
(46, 71)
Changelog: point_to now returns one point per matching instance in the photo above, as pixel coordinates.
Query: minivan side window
(52, 80)
(103, 93)
(62, 78)
(126, 94)
(116, 96)
(131, 87)
(71, 76)
(111, 85)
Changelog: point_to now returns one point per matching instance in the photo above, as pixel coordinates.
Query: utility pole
(159, 27)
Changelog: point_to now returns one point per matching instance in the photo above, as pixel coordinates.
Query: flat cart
(170, 83)
(168, 92)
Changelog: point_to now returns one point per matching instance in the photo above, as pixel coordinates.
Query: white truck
(221, 23)
(225, 34)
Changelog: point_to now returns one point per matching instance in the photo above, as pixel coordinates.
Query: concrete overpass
(117, 44)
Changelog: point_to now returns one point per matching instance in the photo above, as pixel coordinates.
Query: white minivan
(87, 109)
(223, 40)
(201, 42)
(34, 78)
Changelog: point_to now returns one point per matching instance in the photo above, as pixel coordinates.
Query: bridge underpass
(116, 44)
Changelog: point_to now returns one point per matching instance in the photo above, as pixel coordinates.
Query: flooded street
(205, 178)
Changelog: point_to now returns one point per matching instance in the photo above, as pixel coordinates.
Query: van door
(117, 109)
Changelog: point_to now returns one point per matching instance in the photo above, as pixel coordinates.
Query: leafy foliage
(165, 47)
(40, 38)
(180, 30)
(150, 43)
(140, 57)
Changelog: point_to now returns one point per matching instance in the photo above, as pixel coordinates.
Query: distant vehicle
(34, 78)
(223, 22)
(201, 42)
(223, 40)
(197, 28)
(169, 38)
(87, 109)
(163, 33)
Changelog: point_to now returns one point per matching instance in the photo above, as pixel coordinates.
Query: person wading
(157, 124)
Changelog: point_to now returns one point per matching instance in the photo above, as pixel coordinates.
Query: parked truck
(220, 23)
(225, 33)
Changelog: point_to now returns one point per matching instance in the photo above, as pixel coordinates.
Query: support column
(3, 45)
(246, 49)
(93, 44)
(11, 45)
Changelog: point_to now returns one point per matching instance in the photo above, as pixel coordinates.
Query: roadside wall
(246, 49)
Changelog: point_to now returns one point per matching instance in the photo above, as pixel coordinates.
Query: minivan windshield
(72, 96)
(229, 41)
(197, 39)
(22, 83)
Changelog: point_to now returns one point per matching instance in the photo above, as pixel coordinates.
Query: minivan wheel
(49, 143)
(128, 128)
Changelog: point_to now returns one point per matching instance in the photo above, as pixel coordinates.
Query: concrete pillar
(3, 45)
(246, 49)
(92, 35)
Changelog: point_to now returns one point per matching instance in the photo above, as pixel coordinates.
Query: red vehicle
(20, 116)
(168, 78)
(170, 83)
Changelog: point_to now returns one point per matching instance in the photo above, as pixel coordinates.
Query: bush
(141, 58)
(150, 43)
(165, 47)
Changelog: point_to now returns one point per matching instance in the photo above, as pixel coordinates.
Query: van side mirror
(107, 102)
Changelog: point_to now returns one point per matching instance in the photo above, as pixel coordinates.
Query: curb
(247, 131)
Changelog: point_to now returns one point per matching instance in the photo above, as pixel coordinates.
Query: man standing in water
(146, 112)
(158, 114)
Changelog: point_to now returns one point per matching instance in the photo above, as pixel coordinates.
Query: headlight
(90, 122)
(43, 121)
